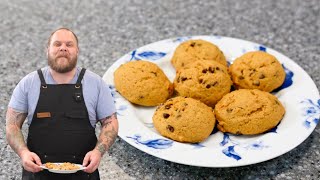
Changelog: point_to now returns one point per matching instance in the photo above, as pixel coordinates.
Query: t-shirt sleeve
(105, 105)
(19, 98)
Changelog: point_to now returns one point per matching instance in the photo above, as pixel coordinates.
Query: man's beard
(52, 62)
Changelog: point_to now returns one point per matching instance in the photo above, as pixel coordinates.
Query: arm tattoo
(14, 122)
(109, 132)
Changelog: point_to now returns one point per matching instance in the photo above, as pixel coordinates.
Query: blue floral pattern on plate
(116, 95)
(287, 81)
(230, 150)
(181, 39)
(114, 92)
(152, 143)
(311, 112)
(147, 55)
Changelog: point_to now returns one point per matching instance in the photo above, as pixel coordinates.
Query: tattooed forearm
(107, 121)
(14, 121)
(109, 132)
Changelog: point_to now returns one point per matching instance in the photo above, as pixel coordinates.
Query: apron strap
(43, 82)
(78, 83)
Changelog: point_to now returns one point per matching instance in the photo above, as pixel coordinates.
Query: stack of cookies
(252, 109)
(201, 95)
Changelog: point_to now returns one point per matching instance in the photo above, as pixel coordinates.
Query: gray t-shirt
(96, 94)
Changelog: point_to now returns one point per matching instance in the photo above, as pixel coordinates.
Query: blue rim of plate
(298, 94)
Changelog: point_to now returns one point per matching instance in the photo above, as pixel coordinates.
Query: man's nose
(63, 47)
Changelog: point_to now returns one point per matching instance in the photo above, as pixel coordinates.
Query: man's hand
(30, 161)
(92, 160)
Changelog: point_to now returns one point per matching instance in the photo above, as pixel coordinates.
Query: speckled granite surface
(109, 29)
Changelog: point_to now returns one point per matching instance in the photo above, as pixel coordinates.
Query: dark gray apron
(60, 130)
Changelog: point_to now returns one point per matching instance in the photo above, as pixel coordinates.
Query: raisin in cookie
(207, 81)
(257, 70)
(248, 111)
(184, 120)
(194, 50)
(142, 83)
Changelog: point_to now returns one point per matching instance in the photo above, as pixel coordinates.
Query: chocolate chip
(204, 71)
(229, 110)
(178, 79)
(154, 73)
(170, 128)
(183, 78)
(168, 106)
(217, 68)
(192, 44)
(241, 77)
(211, 69)
(141, 97)
(215, 83)
(256, 83)
(262, 76)
(165, 115)
(208, 86)
(200, 81)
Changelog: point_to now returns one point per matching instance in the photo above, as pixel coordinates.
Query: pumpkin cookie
(184, 120)
(142, 83)
(257, 70)
(207, 81)
(193, 50)
(248, 111)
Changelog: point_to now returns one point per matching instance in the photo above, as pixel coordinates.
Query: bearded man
(62, 104)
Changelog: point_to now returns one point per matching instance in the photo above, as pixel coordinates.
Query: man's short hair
(49, 40)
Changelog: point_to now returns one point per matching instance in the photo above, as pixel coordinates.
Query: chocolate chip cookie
(184, 120)
(248, 111)
(143, 83)
(194, 50)
(207, 81)
(257, 70)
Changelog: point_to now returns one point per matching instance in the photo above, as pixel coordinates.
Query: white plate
(299, 95)
(64, 171)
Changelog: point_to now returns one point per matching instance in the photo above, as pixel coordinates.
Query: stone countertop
(109, 29)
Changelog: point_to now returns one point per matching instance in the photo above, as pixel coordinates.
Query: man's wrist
(22, 151)
(101, 148)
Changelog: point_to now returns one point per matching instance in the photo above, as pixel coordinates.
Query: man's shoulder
(92, 76)
(35, 73)
(29, 78)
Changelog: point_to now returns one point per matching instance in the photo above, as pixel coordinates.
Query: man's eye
(57, 44)
(69, 45)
